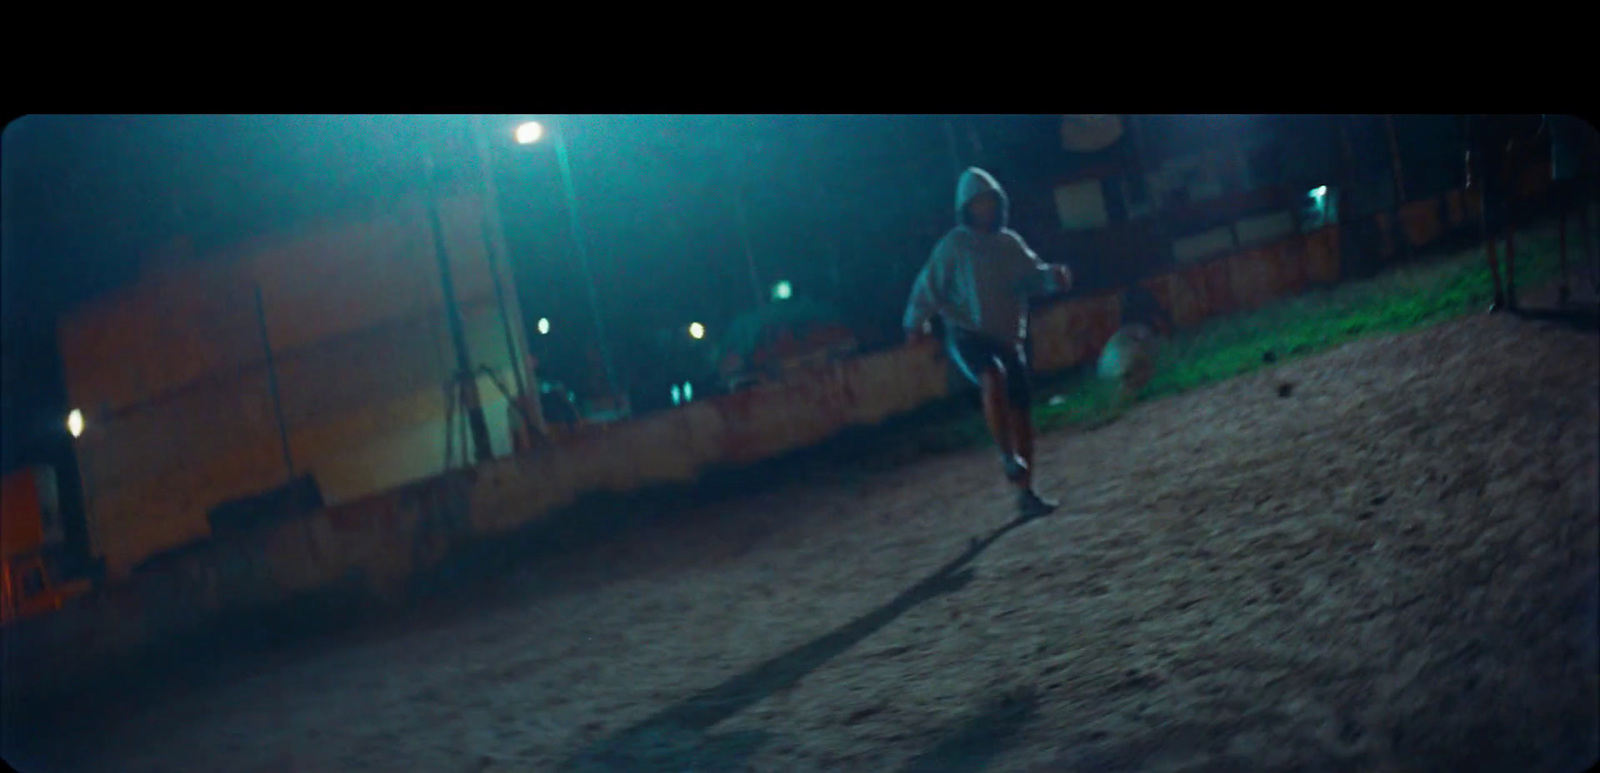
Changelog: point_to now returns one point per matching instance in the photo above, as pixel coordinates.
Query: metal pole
(493, 226)
(1395, 162)
(583, 256)
(272, 384)
(1402, 241)
(977, 143)
(465, 380)
(955, 149)
(831, 239)
(749, 252)
(1141, 163)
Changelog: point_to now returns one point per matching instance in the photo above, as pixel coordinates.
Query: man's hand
(1063, 277)
(920, 334)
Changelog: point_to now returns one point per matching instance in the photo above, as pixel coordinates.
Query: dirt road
(1394, 567)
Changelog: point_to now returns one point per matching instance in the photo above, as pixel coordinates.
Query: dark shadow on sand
(975, 742)
(1584, 319)
(676, 737)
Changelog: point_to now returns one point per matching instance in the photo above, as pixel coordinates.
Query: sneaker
(1015, 469)
(1031, 505)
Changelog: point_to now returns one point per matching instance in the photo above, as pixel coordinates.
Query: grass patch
(1407, 297)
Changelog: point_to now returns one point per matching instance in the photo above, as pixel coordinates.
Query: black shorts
(976, 354)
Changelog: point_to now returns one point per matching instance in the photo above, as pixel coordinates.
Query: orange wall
(172, 374)
(21, 521)
(138, 342)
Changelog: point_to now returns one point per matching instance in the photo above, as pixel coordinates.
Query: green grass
(1409, 297)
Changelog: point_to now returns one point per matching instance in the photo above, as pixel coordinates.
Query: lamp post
(494, 250)
(749, 252)
(532, 132)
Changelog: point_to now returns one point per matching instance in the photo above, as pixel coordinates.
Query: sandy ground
(1395, 567)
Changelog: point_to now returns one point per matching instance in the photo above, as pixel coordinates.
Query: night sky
(845, 207)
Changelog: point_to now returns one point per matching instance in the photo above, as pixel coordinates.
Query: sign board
(1090, 133)
(1081, 206)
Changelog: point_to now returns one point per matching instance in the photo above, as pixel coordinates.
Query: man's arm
(923, 305)
(1036, 277)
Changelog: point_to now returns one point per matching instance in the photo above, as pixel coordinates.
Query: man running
(978, 282)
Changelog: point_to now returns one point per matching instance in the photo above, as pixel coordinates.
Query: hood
(973, 182)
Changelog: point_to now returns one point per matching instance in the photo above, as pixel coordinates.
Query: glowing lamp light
(529, 133)
(697, 331)
(688, 391)
(75, 423)
(544, 326)
(677, 394)
(1319, 191)
(782, 291)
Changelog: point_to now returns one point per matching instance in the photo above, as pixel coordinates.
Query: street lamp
(544, 326)
(494, 243)
(75, 423)
(529, 133)
(697, 331)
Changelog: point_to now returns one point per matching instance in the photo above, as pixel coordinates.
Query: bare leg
(1029, 503)
(1589, 241)
(1494, 270)
(1561, 232)
(1511, 262)
(995, 412)
(1021, 420)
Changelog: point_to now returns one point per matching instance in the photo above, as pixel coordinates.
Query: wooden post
(465, 381)
(1395, 161)
(1158, 220)
(1402, 240)
(272, 385)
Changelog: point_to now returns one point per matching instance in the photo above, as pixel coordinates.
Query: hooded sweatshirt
(980, 281)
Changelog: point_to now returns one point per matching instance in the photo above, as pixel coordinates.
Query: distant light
(544, 326)
(677, 394)
(1319, 191)
(697, 331)
(75, 422)
(688, 391)
(782, 290)
(529, 133)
